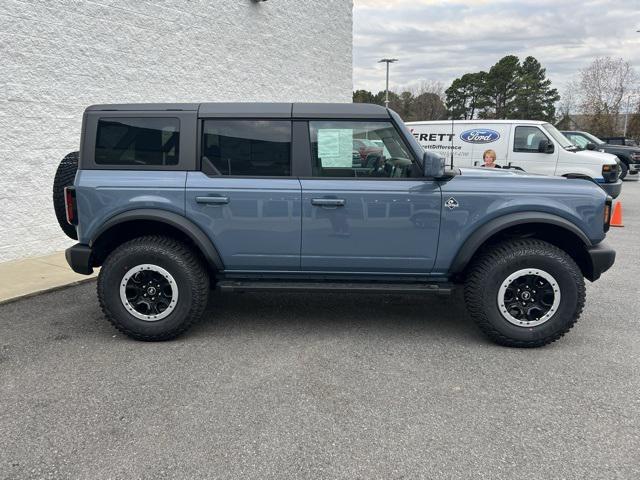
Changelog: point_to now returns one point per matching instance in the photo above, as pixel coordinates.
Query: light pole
(387, 61)
(630, 97)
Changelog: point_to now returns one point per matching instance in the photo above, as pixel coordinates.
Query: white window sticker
(335, 147)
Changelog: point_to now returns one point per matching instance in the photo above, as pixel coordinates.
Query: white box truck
(532, 146)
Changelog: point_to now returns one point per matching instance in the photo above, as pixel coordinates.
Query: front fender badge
(451, 203)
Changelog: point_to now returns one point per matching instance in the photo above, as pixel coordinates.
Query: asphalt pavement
(324, 386)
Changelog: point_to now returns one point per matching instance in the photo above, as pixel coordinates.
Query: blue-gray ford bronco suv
(172, 200)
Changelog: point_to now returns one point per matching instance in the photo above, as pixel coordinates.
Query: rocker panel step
(350, 287)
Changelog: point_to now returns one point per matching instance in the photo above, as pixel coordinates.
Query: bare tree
(633, 120)
(425, 102)
(568, 105)
(604, 88)
(428, 101)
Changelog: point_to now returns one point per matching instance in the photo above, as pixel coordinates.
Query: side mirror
(433, 165)
(545, 146)
(591, 146)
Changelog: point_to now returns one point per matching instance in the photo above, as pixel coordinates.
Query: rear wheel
(524, 293)
(65, 175)
(153, 288)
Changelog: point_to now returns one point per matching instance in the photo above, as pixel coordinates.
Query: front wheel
(153, 288)
(624, 170)
(524, 293)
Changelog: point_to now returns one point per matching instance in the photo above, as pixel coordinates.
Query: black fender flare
(487, 230)
(623, 158)
(186, 226)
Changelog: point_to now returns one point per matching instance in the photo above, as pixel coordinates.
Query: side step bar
(350, 287)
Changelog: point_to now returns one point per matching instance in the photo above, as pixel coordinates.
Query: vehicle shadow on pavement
(339, 314)
(50, 317)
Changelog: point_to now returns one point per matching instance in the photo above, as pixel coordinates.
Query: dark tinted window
(137, 141)
(247, 147)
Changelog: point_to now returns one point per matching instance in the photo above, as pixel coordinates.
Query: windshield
(558, 137)
(592, 138)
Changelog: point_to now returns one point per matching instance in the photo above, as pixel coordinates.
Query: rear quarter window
(137, 141)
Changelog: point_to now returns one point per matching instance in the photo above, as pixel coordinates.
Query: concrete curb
(46, 290)
(35, 275)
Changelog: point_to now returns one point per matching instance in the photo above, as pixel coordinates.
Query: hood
(500, 172)
(505, 179)
(606, 158)
(620, 148)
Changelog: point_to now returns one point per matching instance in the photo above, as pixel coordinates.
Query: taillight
(70, 205)
(607, 213)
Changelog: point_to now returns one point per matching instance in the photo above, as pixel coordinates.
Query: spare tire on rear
(65, 175)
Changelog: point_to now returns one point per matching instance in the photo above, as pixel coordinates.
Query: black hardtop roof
(256, 110)
(143, 107)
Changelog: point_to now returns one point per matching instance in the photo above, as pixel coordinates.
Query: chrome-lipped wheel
(529, 297)
(149, 292)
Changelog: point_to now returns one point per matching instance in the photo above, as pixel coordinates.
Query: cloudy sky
(441, 40)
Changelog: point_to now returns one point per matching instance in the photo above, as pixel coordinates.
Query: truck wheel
(65, 175)
(524, 293)
(153, 288)
(624, 170)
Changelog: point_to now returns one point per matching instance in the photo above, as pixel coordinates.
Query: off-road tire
(624, 169)
(175, 257)
(65, 175)
(495, 263)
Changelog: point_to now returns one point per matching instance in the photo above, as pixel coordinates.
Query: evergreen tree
(457, 99)
(508, 90)
(535, 99)
(465, 96)
(363, 96)
(501, 87)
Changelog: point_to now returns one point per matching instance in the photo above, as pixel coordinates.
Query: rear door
(244, 196)
(382, 217)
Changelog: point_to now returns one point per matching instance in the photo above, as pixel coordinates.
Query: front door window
(527, 139)
(358, 149)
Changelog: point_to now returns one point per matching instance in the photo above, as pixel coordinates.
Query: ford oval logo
(479, 135)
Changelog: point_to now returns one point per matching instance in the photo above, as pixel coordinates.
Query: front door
(244, 197)
(374, 215)
(525, 152)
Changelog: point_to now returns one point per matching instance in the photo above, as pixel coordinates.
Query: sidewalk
(30, 276)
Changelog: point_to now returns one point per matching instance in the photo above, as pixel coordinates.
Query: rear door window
(247, 148)
(135, 141)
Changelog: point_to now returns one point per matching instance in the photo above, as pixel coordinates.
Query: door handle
(328, 202)
(213, 200)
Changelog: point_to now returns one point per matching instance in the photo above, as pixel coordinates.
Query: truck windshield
(592, 138)
(558, 137)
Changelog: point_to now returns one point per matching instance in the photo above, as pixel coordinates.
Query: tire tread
(64, 177)
(195, 269)
(479, 271)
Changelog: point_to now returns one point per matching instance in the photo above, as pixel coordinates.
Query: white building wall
(59, 56)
